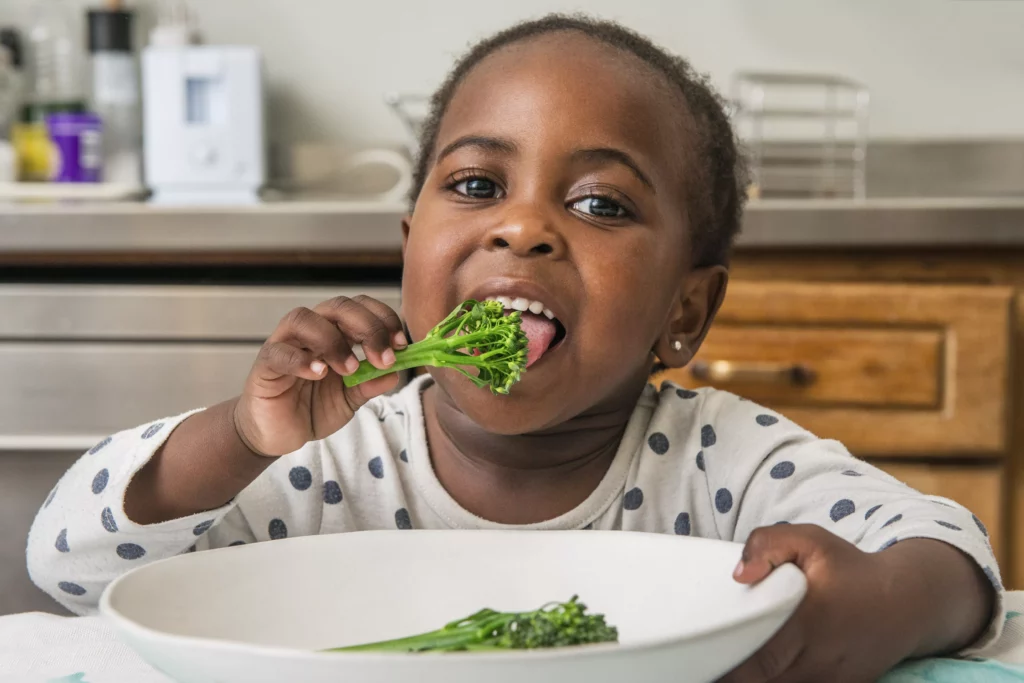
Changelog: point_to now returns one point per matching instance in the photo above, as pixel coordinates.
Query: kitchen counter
(375, 228)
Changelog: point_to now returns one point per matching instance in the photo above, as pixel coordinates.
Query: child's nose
(527, 234)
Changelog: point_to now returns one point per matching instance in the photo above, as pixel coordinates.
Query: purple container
(78, 147)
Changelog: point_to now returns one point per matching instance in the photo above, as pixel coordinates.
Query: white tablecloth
(43, 648)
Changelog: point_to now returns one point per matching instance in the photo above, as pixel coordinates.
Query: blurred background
(175, 176)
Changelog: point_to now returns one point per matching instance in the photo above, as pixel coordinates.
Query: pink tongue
(539, 331)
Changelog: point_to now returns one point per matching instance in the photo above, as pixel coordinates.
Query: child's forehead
(568, 86)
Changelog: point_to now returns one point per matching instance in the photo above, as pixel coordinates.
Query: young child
(575, 171)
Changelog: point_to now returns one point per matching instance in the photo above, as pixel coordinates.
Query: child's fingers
(360, 325)
(278, 359)
(389, 317)
(769, 547)
(306, 329)
(777, 660)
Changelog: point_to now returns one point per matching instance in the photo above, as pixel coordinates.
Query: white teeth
(523, 305)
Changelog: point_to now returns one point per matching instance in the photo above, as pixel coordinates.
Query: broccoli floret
(553, 625)
(475, 335)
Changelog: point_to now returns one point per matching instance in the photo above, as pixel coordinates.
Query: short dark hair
(716, 200)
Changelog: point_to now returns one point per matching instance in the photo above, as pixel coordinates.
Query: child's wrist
(938, 593)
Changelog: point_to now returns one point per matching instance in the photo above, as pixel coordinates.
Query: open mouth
(543, 330)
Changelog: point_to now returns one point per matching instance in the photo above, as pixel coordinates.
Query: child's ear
(694, 308)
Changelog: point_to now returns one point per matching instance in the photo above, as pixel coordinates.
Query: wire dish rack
(412, 110)
(806, 134)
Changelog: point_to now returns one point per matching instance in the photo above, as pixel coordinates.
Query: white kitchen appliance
(203, 124)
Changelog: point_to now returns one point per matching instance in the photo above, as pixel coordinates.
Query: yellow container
(36, 153)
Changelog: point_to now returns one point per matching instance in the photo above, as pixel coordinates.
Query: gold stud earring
(677, 345)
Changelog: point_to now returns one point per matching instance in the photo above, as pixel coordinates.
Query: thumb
(768, 547)
(360, 394)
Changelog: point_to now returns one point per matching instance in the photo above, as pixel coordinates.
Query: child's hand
(295, 394)
(863, 612)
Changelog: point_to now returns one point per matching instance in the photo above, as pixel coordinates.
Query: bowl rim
(135, 631)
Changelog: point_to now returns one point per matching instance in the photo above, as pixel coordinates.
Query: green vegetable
(553, 625)
(475, 335)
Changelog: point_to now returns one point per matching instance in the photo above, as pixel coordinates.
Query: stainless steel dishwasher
(79, 361)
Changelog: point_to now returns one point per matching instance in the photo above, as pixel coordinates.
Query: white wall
(936, 68)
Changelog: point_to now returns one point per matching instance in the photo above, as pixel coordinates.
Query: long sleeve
(764, 470)
(82, 539)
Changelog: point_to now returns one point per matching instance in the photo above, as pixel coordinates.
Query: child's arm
(160, 489)
(294, 395)
(891, 573)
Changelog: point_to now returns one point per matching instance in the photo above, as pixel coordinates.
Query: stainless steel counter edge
(338, 226)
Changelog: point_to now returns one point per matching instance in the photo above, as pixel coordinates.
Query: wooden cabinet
(886, 369)
(911, 376)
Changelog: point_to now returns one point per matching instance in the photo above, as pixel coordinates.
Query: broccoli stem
(439, 352)
(553, 625)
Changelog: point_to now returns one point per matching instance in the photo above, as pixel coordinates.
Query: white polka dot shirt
(691, 463)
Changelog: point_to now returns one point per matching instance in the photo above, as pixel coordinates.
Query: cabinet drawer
(979, 489)
(886, 369)
(71, 395)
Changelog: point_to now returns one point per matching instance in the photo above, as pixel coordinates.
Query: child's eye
(601, 207)
(477, 188)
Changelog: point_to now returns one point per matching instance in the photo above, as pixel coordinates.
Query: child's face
(558, 176)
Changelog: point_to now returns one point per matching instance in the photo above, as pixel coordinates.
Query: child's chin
(512, 414)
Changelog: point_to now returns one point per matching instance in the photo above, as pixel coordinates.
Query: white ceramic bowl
(259, 613)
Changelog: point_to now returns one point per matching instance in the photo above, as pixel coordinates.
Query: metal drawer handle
(724, 371)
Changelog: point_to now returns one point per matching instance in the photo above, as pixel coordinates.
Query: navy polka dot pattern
(108, 521)
(277, 529)
(234, 543)
(781, 523)
(130, 551)
(332, 492)
(633, 499)
(71, 588)
(888, 544)
(783, 470)
(658, 443)
(871, 511)
(202, 527)
(62, 542)
(402, 520)
(766, 420)
(723, 500)
(377, 468)
(981, 527)
(100, 446)
(683, 524)
(686, 393)
(992, 578)
(851, 473)
(403, 456)
(947, 525)
(99, 482)
(49, 498)
(893, 520)
(153, 430)
(707, 436)
(843, 508)
(301, 478)
(700, 461)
